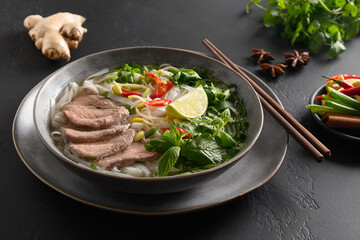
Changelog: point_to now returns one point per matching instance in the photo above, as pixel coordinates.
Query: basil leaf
(168, 160)
(160, 144)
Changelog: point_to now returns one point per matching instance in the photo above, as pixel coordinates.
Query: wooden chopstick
(301, 134)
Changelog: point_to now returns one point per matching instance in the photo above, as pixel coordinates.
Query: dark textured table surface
(304, 200)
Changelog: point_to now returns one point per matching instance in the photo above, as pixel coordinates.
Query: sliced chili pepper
(340, 82)
(158, 102)
(181, 131)
(349, 92)
(126, 92)
(346, 76)
(162, 89)
(155, 78)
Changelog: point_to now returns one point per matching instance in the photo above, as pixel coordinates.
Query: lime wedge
(190, 105)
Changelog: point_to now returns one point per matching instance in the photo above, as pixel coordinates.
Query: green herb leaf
(204, 149)
(316, 23)
(105, 94)
(336, 48)
(225, 139)
(93, 166)
(168, 160)
(160, 144)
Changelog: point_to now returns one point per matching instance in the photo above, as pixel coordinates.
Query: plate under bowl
(78, 70)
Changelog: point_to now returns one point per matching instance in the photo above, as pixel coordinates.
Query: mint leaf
(173, 135)
(204, 150)
(225, 139)
(168, 160)
(225, 116)
(160, 144)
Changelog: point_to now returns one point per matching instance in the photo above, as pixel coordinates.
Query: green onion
(93, 166)
(111, 78)
(146, 93)
(150, 132)
(105, 94)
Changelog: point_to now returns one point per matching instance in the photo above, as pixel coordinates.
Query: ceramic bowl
(78, 70)
(350, 134)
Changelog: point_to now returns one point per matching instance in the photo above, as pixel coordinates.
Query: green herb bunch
(216, 137)
(314, 22)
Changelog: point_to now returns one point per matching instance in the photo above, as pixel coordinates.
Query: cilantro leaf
(316, 23)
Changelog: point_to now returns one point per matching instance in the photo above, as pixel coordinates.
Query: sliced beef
(101, 149)
(89, 110)
(91, 117)
(83, 136)
(135, 152)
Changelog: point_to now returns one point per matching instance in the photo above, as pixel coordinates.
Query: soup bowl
(79, 70)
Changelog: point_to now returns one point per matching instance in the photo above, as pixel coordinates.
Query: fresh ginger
(57, 34)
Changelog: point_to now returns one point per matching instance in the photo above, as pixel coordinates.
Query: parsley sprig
(316, 23)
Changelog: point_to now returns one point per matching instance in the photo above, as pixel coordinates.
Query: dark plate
(257, 167)
(350, 134)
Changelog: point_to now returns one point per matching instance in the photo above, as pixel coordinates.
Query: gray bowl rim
(147, 179)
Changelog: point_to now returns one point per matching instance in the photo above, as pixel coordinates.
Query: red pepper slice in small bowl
(349, 89)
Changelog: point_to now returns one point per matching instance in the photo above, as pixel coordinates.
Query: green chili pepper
(321, 109)
(344, 98)
(342, 108)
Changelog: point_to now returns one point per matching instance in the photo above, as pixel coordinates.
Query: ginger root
(57, 34)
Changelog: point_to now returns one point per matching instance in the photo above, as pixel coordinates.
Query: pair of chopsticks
(301, 134)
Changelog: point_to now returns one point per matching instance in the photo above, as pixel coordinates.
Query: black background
(305, 199)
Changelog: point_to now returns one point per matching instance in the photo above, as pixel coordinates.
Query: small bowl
(344, 133)
(78, 70)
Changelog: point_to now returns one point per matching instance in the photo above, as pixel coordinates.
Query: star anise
(294, 59)
(275, 70)
(261, 55)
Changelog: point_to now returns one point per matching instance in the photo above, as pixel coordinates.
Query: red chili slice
(158, 102)
(346, 76)
(162, 89)
(126, 92)
(349, 92)
(154, 77)
(341, 82)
